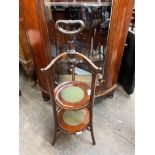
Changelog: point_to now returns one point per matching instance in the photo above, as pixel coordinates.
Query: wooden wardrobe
(36, 29)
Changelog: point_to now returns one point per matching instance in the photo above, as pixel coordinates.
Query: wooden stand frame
(65, 105)
(38, 37)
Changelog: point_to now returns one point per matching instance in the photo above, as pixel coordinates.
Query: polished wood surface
(69, 105)
(36, 29)
(25, 53)
(77, 55)
(120, 19)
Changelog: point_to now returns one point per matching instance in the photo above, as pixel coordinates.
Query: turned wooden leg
(92, 134)
(20, 93)
(34, 79)
(46, 97)
(111, 94)
(54, 134)
(54, 137)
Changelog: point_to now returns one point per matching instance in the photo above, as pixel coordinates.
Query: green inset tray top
(72, 94)
(73, 117)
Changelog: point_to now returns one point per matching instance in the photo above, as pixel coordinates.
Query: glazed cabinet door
(102, 40)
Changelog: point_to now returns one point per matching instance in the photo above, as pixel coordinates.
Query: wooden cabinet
(25, 53)
(39, 40)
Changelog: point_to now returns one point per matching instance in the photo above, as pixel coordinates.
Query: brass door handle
(70, 22)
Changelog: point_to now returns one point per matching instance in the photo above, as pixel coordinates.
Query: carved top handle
(69, 22)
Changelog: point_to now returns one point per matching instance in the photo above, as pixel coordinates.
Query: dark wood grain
(77, 55)
(37, 33)
(25, 53)
(120, 19)
(77, 128)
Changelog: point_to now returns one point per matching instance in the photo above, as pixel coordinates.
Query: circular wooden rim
(68, 105)
(75, 128)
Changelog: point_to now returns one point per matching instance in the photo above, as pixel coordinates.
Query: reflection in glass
(91, 41)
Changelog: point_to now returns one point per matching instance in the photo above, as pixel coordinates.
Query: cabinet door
(92, 41)
(25, 55)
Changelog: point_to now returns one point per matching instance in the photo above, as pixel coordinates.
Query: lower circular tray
(73, 121)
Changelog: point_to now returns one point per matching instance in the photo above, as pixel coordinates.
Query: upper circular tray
(72, 95)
